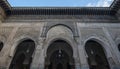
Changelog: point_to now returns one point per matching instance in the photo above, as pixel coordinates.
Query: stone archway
(59, 56)
(23, 55)
(96, 55)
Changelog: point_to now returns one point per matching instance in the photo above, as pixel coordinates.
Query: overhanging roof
(5, 5)
(60, 10)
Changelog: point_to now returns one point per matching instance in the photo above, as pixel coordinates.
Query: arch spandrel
(72, 26)
(59, 30)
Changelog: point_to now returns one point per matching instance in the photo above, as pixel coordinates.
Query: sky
(60, 3)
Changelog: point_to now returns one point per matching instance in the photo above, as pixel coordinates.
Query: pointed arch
(96, 55)
(25, 48)
(60, 52)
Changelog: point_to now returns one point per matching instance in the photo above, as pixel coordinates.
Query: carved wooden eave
(115, 6)
(60, 10)
(5, 5)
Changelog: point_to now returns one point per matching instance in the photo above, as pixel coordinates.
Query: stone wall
(107, 34)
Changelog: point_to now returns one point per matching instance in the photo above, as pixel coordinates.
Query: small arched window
(119, 47)
(1, 46)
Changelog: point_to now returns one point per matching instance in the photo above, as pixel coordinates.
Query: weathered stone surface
(93, 31)
(75, 30)
(44, 30)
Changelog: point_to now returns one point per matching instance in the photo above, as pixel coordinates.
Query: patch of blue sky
(60, 3)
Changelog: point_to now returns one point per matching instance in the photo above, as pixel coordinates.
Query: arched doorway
(96, 55)
(59, 56)
(23, 55)
(1, 46)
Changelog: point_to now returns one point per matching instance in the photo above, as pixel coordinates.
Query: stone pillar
(83, 58)
(76, 57)
(81, 50)
(38, 59)
(76, 64)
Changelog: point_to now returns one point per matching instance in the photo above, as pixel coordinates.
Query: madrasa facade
(59, 37)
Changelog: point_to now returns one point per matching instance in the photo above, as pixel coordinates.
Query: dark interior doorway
(59, 56)
(1, 46)
(96, 55)
(19, 61)
(119, 47)
(59, 66)
(23, 55)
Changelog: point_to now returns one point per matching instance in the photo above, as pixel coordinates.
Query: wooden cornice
(60, 10)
